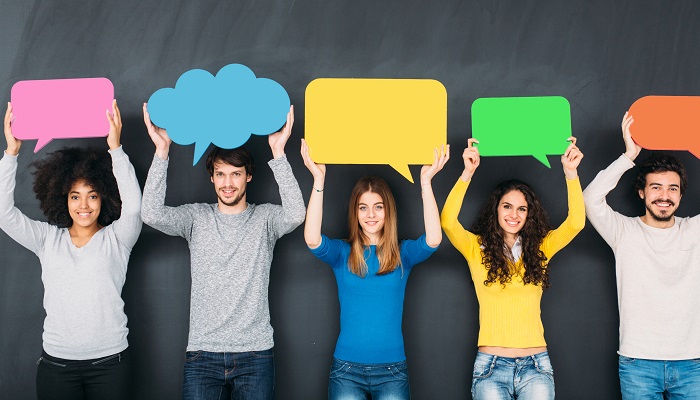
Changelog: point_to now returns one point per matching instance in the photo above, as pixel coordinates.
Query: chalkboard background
(600, 55)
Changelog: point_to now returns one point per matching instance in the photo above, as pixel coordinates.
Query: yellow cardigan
(509, 316)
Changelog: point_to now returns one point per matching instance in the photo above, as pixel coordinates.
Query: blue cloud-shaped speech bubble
(224, 109)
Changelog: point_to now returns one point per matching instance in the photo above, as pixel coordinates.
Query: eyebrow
(505, 202)
(365, 204)
(661, 184)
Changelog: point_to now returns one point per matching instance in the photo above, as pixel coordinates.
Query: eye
(74, 197)
(219, 174)
(506, 206)
(363, 208)
(522, 209)
(94, 196)
(379, 207)
(674, 189)
(237, 174)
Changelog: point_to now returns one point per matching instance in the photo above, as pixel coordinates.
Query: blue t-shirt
(371, 308)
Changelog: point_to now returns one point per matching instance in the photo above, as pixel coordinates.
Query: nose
(83, 202)
(371, 212)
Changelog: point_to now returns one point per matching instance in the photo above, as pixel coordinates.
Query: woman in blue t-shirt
(371, 269)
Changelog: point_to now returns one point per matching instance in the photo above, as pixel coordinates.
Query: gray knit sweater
(230, 256)
(82, 285)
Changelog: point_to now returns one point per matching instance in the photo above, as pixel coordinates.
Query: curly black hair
(532, 234)
(55, 175)
(660, 162)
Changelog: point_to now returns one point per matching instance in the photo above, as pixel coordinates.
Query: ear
(211, 178)
(249, 178)
(641, 194)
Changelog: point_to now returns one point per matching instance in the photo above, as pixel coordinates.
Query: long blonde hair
(388, 245)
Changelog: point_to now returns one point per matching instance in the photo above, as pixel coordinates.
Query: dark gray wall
(600, 55)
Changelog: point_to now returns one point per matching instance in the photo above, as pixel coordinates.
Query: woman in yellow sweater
(508, 251)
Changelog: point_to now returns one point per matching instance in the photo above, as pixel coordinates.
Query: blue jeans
(239, 376)
(658, 379)
(351, 381)
(502, 378)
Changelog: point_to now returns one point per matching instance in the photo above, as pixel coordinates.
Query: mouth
(663, 204)
(228, 192)
(84, 214)
(512, 224)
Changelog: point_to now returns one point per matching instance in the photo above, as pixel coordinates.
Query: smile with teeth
(512, 223)
(663, 203)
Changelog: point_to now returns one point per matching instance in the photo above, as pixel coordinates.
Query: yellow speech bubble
(375, 121)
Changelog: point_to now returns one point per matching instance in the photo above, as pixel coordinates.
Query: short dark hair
(55, 175)
(239, 157)
(660, 162)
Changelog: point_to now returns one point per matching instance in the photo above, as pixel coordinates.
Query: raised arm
(176, 221)
(576, 217)
(26, 232)
(604, 219)
(128, 227)
(314, 212)
(453, 229)
(431, 215)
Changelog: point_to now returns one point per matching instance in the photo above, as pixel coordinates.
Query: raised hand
(115, 126)
(158, 135)
(471, 160)
(13, 144)
(632, 149)
(571, 159)
(427, 172)
(278, 140)
(318, 171)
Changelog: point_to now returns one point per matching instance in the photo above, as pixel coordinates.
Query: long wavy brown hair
(388, 246)
(493, 253)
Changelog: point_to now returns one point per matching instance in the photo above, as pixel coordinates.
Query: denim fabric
(106, 378)
(503, 378)
(658, 379)
(353, 381)
(248, 375)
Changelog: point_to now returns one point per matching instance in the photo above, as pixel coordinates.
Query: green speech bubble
(522, 126)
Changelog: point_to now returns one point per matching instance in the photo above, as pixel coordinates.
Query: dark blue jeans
(238, 376)
(353, 381)
(106, 378)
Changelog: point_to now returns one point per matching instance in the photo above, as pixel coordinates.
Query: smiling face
(512, 214)
(370, 215)
(230, 185)
(662, 196)
(84, 205)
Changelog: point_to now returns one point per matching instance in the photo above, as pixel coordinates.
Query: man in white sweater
(657, 260)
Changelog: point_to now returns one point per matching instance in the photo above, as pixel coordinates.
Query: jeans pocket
(192, 355)
(399, 370)
(544, 366)
(263, 354)
(482, 370)
(626, 360)
(339, 369)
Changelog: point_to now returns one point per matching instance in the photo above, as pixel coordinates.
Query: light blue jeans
(658, 379)
(504, 378)
(353, 381)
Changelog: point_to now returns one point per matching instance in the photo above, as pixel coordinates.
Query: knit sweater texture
(509, 315)
(658, 275)
(230, 256)
(82, 285)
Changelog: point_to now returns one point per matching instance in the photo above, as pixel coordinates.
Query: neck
(509, 239)
(78, 231)
(235, 209)
(654, 223)
(372, 239)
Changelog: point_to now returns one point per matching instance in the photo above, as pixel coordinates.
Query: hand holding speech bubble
(61, 109)
(667, 123)
(376, 121)
(224, 109)
(522, 126)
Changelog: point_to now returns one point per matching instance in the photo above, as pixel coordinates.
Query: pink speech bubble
(61, 109)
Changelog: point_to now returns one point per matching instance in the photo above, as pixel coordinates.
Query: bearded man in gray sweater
(657, 260)
(229, 349)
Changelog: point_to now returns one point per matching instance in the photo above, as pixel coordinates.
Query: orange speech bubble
(667, 123)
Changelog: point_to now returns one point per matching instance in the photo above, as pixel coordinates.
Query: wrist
(466, 176)
(12, 151)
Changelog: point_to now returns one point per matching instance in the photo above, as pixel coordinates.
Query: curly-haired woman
(371, 268)
(93, 222)
(508, 252)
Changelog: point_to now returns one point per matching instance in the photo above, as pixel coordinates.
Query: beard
(661, 217)
(232, 202)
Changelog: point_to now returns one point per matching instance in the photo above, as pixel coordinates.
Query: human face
(84, 205)
(370, 215)
(512, 213)
(229, 183)
(661, 195)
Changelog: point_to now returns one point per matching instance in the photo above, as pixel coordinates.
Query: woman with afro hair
(508, 252)
(92, 205)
